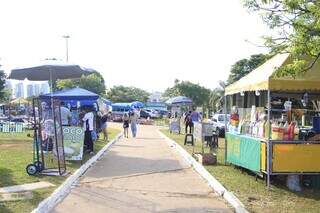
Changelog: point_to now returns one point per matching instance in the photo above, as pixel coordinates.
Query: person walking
(133, 122)
(88, 127)
(126, 125)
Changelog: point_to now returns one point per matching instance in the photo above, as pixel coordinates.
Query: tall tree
(4, 93)
(127, 94)
(296, 25)
(216, 97)
(93, 82)
(245, 66)
(198, 94)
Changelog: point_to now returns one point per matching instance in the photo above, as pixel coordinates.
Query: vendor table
(286, 157)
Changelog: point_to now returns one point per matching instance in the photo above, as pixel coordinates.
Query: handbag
(94, 135)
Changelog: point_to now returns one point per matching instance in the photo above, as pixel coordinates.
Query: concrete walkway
(142, 175)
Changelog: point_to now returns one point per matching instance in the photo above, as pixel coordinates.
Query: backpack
(188, 118)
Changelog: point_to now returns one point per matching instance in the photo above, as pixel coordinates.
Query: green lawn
(253, 193)
(15, 154)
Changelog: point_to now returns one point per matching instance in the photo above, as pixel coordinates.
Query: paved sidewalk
(142, 175)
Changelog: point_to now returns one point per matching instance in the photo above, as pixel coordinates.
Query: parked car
(153, 113)
(218, 122)
(144, 114)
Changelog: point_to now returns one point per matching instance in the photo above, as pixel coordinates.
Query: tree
(198, 94)
(4, 92)
(245, 66)
(298, 25)
(127, 94)
(216, 97)
(93, 82)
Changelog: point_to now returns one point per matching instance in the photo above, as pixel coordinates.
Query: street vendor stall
(73, 134)
(177, 106)
(274, 123)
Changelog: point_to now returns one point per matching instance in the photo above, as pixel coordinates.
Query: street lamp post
(66, 37)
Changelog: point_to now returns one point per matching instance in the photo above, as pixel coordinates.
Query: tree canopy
(198, 94)
(4, 92)
(245, 66)
(93, 82)
(127, 94)
(296, 26)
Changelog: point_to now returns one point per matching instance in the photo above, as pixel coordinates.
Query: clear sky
(143, 43)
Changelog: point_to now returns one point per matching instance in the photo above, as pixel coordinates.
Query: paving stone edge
(64, 189)
(213, 183)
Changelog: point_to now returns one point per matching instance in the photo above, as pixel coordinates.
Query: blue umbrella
(106, 101)
(179, 100)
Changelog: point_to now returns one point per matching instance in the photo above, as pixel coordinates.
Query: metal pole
(268, 142)
(67, 47)
(225, 129)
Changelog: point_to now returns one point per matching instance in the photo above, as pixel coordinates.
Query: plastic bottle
(286, 131)
(261, 129)
(281, 132)
(266, 129)
(291, 132)
(275, 131)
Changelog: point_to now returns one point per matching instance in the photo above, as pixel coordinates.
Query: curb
(64, 189)
(213, 183)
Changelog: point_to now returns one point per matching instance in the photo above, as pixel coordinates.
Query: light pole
(66, 37)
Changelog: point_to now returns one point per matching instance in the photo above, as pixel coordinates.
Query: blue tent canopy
(72, 96)
(121, 107)
(137, 104)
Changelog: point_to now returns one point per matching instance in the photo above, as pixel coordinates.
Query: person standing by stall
(65, 114)
(188, 122)
(88, 127)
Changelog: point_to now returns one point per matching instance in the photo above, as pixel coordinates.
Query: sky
(142, 43)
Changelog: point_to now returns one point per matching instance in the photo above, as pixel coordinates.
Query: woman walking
(125, 125)
(134, 122)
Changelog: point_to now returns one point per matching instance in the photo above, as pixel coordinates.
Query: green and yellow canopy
(264, 78)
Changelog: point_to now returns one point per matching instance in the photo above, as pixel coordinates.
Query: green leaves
(198, 94)
(297, 24)
(93, 83)
(245, 66)
(127, 94)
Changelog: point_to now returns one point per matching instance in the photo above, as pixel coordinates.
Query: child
(125, 124)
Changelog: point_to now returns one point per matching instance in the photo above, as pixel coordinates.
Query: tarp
(265, 77)
(244, 151)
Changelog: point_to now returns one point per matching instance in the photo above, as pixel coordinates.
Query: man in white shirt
(65, 114)
(88, 128)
